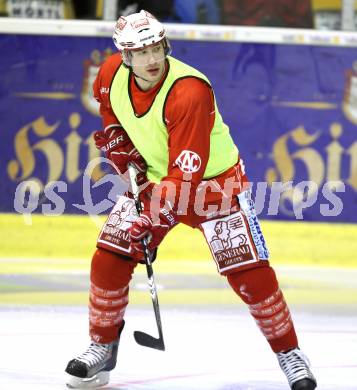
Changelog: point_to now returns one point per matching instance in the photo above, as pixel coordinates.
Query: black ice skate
(295, 366)
(91, 369)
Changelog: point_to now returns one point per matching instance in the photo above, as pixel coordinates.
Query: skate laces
(94, 354)
(295, 365)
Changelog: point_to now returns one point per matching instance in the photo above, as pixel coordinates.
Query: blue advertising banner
(292, 111)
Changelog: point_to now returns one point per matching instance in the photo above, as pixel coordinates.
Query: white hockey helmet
(136, 31)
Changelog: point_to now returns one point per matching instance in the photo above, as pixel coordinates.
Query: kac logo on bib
(188, 161)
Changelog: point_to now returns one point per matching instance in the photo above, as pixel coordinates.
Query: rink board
(43, 243)
(287, 95)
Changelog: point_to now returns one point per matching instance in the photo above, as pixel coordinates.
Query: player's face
(149, 63)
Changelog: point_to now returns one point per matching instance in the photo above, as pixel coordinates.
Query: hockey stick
(140, 337)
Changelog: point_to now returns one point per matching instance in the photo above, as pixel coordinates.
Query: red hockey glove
(154, 227)
(121, 151)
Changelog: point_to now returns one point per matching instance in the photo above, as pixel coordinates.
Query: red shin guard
(110, 276)
(259, 289)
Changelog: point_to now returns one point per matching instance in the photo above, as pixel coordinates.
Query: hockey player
(160, 114)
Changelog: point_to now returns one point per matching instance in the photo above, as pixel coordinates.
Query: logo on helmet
(188, 161)
(139, 24)
(146, 38)
(121, 23)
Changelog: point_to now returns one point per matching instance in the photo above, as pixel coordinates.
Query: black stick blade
(146, 340)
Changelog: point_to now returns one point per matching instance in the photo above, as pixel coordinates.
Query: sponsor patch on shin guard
(230, 242)
(114, 235)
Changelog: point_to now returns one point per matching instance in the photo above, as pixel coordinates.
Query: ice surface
(211, 348)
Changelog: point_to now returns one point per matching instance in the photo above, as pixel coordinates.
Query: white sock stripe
(108, 302)
(108, 293)
(282, 324)
(277, 327)
(104, 323)
(272, 316)
(275, 319)
(94, 312)
(269, 310)
(268, 301)
(282, 331)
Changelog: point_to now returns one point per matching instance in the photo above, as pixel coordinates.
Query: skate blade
(100, 379)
